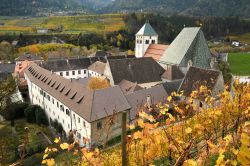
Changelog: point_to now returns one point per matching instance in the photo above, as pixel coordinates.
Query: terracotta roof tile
(156, 51)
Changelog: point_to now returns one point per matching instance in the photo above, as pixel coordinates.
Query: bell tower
(146, 36)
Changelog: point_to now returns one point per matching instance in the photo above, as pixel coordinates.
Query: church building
(188, 49)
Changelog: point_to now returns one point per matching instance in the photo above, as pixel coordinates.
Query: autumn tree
(96, 83)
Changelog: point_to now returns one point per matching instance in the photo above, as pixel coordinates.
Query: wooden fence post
(124, 138)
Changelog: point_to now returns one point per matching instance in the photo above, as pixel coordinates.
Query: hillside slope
(186, 7)
(32, 7)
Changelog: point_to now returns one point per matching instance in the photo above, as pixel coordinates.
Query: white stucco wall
(54, 111)
(141, 46)
(74, 74)
(94, 74)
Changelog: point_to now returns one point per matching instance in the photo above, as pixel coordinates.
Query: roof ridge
(91, 106)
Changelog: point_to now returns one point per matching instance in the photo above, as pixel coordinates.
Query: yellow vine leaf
(46, 150)
(169, 98)
(220, 159)
(188, 130)
(50, 162)
(137, 135)
(89, 155)
(228, 139)
(141, 123)
(190, 163)
(64, 146)
(57, 140)
(131, 127)
(243, 156)
(45, 156)
(211, 145)
(234, 163)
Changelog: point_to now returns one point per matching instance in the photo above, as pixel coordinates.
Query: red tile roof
(156, 51)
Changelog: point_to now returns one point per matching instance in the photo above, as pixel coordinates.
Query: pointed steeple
(147, 30)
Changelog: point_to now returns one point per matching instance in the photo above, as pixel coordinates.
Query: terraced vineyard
(71, 24)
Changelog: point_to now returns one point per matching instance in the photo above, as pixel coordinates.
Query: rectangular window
(67, 73)
(67, 112)
(48, 97)
(79, 120)
(79, 135)
(74, 116)
(53, 100)
(99, 125)
(85, 71)
(73, 73)
(147, 42)
(84, 124)
(62, 108)
(61, 73)
(79, 71)
(153, 41)
(57, 104)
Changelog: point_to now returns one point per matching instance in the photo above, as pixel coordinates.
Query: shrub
(35, 159)
(14, 110)
(41, 117)
(57, 126)
(35, 114)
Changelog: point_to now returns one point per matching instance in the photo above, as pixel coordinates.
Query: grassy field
(239, 63)
(71, 24)
(245, 38)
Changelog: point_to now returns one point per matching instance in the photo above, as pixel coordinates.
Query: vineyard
(216, 135)
(71, 24)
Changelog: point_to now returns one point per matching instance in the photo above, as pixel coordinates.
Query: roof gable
(197, 77)
(139, 98)
(97, 67)
(29, 57)
(129, 87)
(180, 46)
(173, 73)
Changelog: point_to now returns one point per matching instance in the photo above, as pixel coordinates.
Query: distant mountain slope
(187, 7)
(32, 7)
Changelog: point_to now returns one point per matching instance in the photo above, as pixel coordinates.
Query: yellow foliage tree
(96, 83)
(33, 49)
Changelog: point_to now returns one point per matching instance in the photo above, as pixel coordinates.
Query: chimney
(149, 103)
